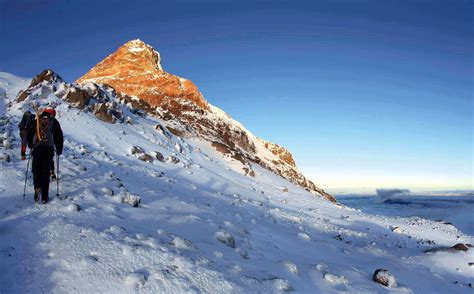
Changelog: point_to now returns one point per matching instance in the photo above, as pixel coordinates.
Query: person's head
(50, 111)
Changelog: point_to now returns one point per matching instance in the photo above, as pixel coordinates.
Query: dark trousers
(41, 167)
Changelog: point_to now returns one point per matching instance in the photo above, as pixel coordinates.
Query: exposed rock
(384, 277)
(159, 156)
(249, 172)
(221, 147)
(162, 130)
(281, 152)
(462, 247)
(46, 75)
(457, 247)
(225, 237)
(102, 112)
(136, 150)
(173, 159)
(176, 132)
(77, 97)
(135, 69)
(397, 230)
(145, 157)
(22, 95)
(131, 199)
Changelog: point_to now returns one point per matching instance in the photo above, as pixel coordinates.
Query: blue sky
(364, 93)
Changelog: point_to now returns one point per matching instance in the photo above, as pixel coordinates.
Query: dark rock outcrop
(384, 277)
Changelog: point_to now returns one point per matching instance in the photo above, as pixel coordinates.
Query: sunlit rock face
(135, 69)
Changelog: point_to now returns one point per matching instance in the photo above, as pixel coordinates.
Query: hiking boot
(37, 195)
(45, 200)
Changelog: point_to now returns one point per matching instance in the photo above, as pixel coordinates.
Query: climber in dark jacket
(24, 125)
(44, 138)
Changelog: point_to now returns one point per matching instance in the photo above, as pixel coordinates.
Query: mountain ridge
(135, 70)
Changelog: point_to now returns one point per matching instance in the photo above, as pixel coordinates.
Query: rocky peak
(47, 75)
(143, 52)
(135, 69)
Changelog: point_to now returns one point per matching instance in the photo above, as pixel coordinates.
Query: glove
(53, 176)
(59, 152)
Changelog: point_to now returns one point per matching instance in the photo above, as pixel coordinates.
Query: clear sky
(364, 93)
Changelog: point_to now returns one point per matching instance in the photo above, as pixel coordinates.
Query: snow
(200, 227)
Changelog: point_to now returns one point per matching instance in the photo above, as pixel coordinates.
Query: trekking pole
(26, 175)
(57, 176)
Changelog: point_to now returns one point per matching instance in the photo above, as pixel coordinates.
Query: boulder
(384, 277)
(163, 131)
(462, 246)
(457, 247)
(101, 111)
(225, 237)
(131, 199)
(173, 159)
(145, 157)
(159, 156)
(397, 230)
(137, 150)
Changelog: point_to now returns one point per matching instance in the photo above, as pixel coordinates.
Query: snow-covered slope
(201, 227)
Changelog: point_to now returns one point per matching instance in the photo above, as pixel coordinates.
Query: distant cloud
(386, 194)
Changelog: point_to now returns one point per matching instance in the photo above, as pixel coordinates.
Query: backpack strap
(38, 118)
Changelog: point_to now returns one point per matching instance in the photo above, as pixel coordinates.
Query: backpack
(26, 121)
(29, 121)
(44, 132)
